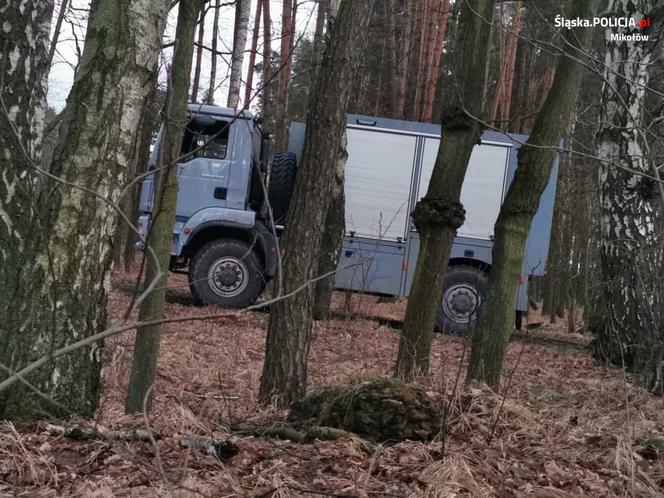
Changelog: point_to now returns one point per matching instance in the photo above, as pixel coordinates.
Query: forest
(349, 248)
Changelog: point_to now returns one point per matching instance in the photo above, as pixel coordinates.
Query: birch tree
(630, 247)
(242, 11)
(439, 214)
(62, 296)
(24, 67)
(285, 370)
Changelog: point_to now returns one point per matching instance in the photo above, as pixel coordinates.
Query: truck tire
(463, 290)
(226, 272)
(282, 183)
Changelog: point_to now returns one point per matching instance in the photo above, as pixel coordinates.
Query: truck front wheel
(463, 292)
(226, 272)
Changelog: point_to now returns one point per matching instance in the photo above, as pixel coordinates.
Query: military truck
(224, 239)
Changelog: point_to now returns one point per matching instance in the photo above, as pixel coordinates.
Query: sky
(72, 36)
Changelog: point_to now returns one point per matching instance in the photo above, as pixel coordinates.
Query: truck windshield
(205, 140)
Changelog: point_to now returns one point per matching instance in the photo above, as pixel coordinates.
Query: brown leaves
(567, 428)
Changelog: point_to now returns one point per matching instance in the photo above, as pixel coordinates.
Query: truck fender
(209, 217)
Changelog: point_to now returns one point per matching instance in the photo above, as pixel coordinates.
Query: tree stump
(379, 410)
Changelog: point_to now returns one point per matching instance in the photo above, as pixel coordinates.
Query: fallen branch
(306, 435)
(99, 432)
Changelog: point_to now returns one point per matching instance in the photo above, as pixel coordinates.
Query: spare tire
(282, 184)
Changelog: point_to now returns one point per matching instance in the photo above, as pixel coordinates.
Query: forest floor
(566, 428)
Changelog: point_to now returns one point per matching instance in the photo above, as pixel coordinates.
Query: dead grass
(568, 428)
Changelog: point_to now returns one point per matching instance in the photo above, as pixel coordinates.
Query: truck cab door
(205, 169)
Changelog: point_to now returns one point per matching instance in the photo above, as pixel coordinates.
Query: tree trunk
(319, 42)
(242, 12)
(495, 320)
(511, 65)
(67, 279)
(160, 239)
(148, 126)
(444, 81)
(23, 88)
(630, 247)
(402, 64)
(64, 7)
(212, 86)
(428, 41)
(267, 62)
(415, 56)
(285, 369)
(199, 57)
(252, 55)
(287, 38)
(319, 31)
(333, 235)
(434, 65)
(390, 70)
(439, 214)
(500, 108)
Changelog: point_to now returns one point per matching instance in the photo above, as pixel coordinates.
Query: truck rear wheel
(226, 272)
(282, 184)
(463, 291)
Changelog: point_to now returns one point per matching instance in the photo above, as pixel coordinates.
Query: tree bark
(242, 12)
(402, 64)
(160, 239)
(390, 69)
(252, 55)
(415, 56)
(209, 98)
(319, 32)
(434, 64)
(439, 214)
(333, 235)
(289, 332)
(495, 320)
(428, 41)
(630, 245)
(65, 282)
(319, 42)
(267, 63)
(508, 46)
(148, 127)
(287, 39)
(23, 87)
(199, 57)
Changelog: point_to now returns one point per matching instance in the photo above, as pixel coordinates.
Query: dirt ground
(566, 428)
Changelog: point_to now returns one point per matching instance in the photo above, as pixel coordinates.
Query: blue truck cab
(222, 233)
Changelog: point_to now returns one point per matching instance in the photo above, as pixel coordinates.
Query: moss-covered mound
(379, 410)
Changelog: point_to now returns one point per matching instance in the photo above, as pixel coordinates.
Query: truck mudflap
(268, 244)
